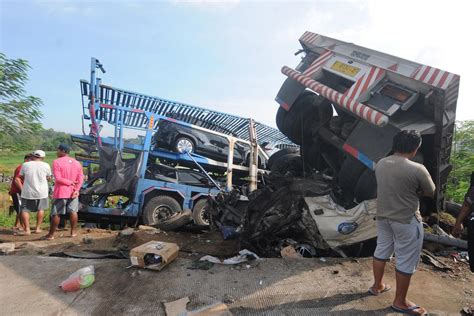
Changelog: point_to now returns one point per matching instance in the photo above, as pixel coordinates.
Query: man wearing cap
(68, 179)
(34, 194)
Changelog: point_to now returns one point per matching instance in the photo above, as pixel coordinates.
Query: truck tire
(280, 118)
(349, 174)
(309, 111)
(366, 187)
(164, 212)
(200, 213)
(280, 153)
(288, 163)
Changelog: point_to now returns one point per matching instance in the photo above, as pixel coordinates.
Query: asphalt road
(29, 285)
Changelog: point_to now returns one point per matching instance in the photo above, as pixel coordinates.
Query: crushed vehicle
(342, 104)
(144, 183)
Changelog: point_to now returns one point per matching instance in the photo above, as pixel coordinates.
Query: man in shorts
(466, 210)
(68, 179)
(399, 226)
(15, 191)
(34, 194)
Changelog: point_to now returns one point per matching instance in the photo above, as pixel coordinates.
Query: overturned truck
(343, 104)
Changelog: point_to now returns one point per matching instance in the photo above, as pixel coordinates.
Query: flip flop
(385, 289)
(409, 310)
(46, 238)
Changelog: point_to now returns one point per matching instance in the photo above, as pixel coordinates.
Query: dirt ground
(30, 278)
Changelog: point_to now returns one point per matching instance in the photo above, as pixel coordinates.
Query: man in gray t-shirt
(400, 181)
(34, 194)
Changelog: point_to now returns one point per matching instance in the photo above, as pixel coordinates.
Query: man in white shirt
(34, 195)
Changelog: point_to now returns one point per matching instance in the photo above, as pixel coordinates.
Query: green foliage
(44, 139)
(19, 113)
(462, 159)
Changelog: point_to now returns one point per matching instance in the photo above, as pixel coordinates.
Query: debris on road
(80, 279)
(428, 258)
(127, 232)
(149, 229)
(243, 256)
(177, 308)
(290, 252)
(154, 255)
(7, 247)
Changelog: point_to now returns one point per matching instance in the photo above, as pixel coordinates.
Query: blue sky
(221, 55)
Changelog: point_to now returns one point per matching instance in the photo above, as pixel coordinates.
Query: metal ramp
(213, 120)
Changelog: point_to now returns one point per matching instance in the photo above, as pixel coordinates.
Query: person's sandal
(386, 288)
(410, 310)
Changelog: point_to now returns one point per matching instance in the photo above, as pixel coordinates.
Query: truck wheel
(349, 174)
(280, 118)
(366, 187)
(291, 163)
(200, 213)
(280, 153)
(184, 144)
(164, 212)
(308, 111)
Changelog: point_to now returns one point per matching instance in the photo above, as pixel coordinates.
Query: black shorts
(16, 202)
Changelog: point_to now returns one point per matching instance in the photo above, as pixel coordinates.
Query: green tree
(19, 113)
(462, 159)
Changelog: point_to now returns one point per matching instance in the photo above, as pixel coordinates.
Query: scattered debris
(149, 229)
(243, 256)
(90, 255)
(290, 252)
(87, 240)
(177, 308)
(154, 255)
(127, 232)
(323, 259)
(468, 310)
(7, 247)
(80, 279)
(446, 240)
(428, 258)
(228, 299)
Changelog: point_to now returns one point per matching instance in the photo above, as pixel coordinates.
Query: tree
(19, 113)
(462, 159)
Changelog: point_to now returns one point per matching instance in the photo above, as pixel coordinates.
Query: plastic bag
(80, 279)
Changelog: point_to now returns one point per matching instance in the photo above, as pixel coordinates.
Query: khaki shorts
(406, 240)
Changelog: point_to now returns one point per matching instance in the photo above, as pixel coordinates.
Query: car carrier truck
(343, 104)
(133, 182)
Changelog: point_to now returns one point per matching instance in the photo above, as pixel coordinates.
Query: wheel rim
(162, 213)
(184, 145)
(204, 216)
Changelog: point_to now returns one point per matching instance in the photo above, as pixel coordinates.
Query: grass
(9, 161)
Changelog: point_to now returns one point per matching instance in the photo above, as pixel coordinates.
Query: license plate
(345, 69)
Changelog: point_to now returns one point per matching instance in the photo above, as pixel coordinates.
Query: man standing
(399, 227)
(68, 177)
(466, 209)
(15, 190)
(34, 194)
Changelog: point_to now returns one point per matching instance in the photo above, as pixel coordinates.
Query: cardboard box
(167, 251)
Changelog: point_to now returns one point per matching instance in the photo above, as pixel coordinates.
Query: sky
(223, 55)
